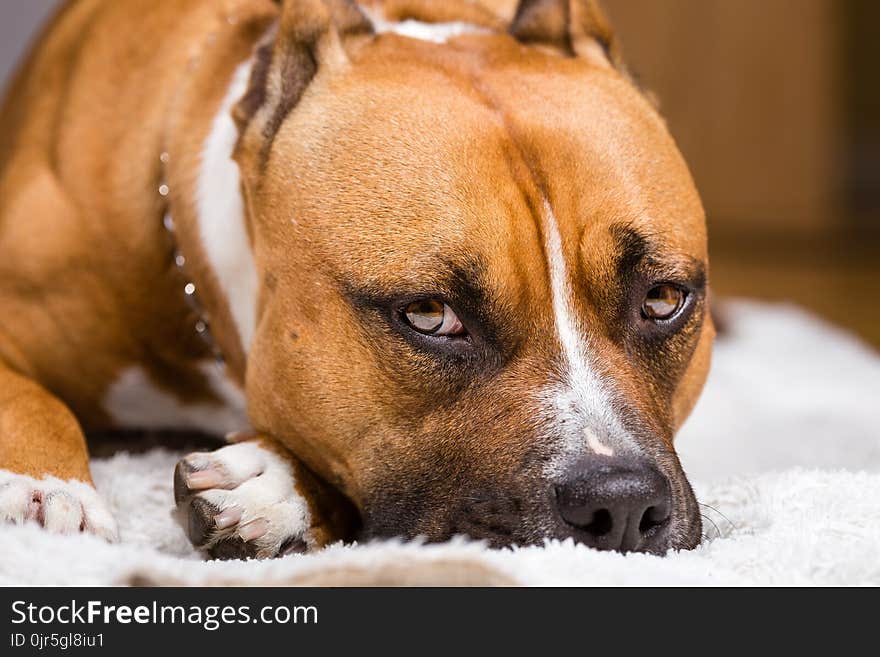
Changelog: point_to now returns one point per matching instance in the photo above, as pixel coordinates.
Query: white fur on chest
(221, 217)
(135, 402)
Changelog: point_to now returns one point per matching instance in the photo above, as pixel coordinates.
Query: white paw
(65, 507)
(240, 501)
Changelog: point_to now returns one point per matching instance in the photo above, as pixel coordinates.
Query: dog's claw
(253, 530)
(227, 518)
(204, 479)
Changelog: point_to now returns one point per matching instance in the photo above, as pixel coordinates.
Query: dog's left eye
(663, 302)
(433, 317)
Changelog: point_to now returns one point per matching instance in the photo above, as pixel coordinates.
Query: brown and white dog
(454, 264)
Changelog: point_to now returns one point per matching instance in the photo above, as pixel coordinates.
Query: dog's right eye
(433, 317)
(662, 302)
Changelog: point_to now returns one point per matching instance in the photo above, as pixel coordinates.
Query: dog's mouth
(617, 510)
(657, 532)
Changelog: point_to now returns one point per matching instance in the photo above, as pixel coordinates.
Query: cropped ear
(308, 36)
(578, 28)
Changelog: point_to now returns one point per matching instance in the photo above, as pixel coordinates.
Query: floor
(836, 277)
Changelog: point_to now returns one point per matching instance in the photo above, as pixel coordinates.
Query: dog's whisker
(714, 524)
(728, 520)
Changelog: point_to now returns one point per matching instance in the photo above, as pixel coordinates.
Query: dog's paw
(240, 501)
(65, 507)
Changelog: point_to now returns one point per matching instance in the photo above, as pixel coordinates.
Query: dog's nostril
(653, 517)
(601, 523)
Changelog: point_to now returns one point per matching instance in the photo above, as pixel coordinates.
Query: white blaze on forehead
(570, 338)
(221, 218)
(434, 32)
(582, 398)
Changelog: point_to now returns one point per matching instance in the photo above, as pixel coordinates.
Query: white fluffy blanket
(783, 450)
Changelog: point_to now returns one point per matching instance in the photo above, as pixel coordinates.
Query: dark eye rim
(483, 341)
(686, 298)
(448, 346)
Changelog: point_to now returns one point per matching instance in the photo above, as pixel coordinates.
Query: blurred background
(776, 106)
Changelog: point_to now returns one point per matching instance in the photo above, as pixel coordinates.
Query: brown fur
(340, 131)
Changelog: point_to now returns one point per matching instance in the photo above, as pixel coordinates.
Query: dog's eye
(433, 317)
(663, 302)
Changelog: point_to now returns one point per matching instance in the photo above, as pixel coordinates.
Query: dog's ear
(308, 36)
(577, 28)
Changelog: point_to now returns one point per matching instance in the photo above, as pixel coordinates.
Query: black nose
(616, 504)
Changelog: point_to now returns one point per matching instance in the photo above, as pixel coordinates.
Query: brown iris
(663, 301)
(433, 317)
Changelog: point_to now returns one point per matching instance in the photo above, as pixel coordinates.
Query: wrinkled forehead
(599, 154)
(458, 151)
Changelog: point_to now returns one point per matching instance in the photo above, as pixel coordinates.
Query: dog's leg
(255, 499)
(44, 463)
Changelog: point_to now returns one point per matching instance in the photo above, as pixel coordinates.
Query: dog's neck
(205, 216)
(220, 214)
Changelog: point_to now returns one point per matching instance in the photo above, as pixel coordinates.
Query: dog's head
(484, 301)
